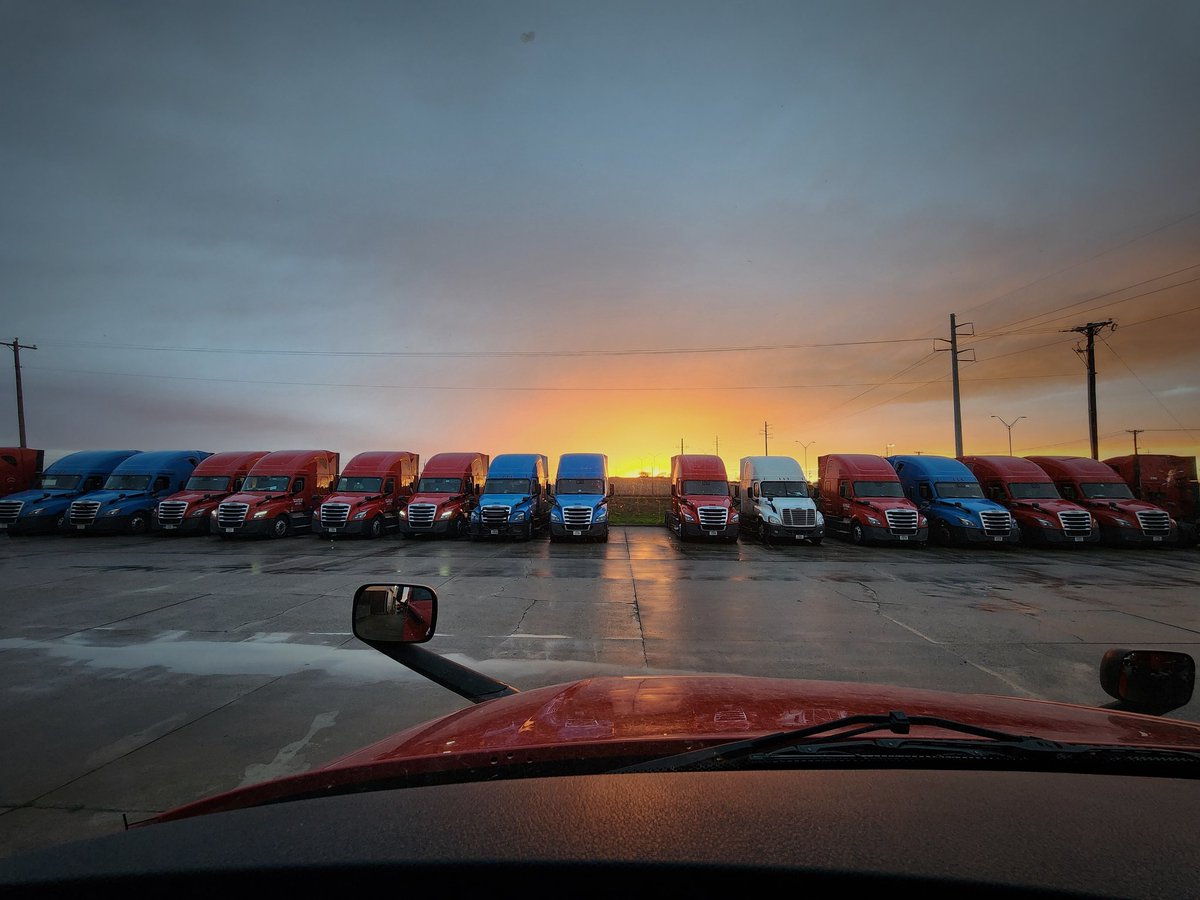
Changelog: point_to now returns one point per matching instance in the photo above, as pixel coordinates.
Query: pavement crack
(637, 609)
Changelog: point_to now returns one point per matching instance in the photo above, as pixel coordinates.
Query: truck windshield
(269, 483)
(783, 489)
(707, 488)
(878, 489)
(1109, 490)
(208, 483)
(354, 485)
(58, 482)
(1033, 490)
(127, 482)
(579, 486)
(439, 486)
(506, 486)
(953, 489)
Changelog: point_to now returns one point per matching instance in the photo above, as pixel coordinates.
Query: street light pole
(1009, 426)
(805, 446)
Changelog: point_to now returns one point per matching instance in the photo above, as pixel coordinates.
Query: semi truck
(279, 496)
(369, 495)
(41, 509)
(19, 469)
(581, 492)
(1167, 481)
(1027, 492)
(701, 503)
(446, 495)
(1123, 519)
(952, 501)
(217, 476)
(515, 499)
(130, 493)
(775, 502)
(862, 499)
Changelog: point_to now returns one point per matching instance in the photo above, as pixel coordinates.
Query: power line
(1145, 386)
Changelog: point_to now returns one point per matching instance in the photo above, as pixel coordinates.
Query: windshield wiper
(839, 742)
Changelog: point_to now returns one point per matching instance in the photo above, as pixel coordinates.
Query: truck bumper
(259, 527)
(1135, 537)
(44, 524)
(882, 534)
(190, 525)
(783, 533)
(589, 532)
(1056, 537)
(499, 532)
(961, 534)
(689, 530)
(101, 525)
(440, 526)
(352, 527)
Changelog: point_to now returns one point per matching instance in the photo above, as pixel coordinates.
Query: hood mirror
(1148, 681)
(395, 613)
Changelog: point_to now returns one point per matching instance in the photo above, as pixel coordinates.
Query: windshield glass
(215, 483)
(275, 484)
(706, 488)
(579, 486)
(1033, 490)
(1107, 490)
(127, 482)
(878, 489)
(506, 486)
(439, 486)
(58, 482)
(954, 490)
(356, 485)
(783, 489)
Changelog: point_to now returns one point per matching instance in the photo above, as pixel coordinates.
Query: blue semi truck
(131, 491)
(516, 497)
(581, 492)
(951, 498)
(41, 509)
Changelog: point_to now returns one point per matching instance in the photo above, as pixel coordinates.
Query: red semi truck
(1169, 482)
(1030, 495)
(280, 494)
(445, 495)
(213, 480)
(701, 503)
(371, 491)
(1122, 518)
(19, 469)
(862, 498)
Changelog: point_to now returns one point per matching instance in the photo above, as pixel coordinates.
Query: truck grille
(232, 515)
(1154, 522)
(420, 515)
(83, 512)
(713, 516)
(9, 510)
(494, 516)
(996, 523)
(171, 512)
(334, 515)
(1076, 523)
(902, 521)
(799, 518)
(577, 516)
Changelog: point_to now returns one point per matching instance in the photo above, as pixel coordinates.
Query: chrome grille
(83, 512)
(798, 518)
(334, 515)
(996, 522)
(1154, 521)
(713, 516)
(577, 516)
(902, 521)
(9, 510)
(171, 512)
(494, 516)
(1076, 523)
(420, 515)
(232, 515)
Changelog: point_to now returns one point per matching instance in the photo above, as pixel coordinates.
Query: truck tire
(941, 534)
(764, 533)
(528, 533)
(376, 528)
(816, 542)
(858, 534)
(139, 524)
(280, 527)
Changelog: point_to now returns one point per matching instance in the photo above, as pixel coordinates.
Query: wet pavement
(142, 673)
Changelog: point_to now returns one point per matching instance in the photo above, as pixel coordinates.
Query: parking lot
(142, 673)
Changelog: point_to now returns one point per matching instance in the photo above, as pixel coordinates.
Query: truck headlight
(687, 515)
(1123, 523)
(447, 514)
(966, 522)
(475, 516)
(601, 514)
(733, 517)
(402, 512)
(38, 511)
(772, 519)
(556, 514)
(518, 516)
(200, 512)
(873, 520)
(361, 515)
(1045, 523)
(114, 512)
(261, 513)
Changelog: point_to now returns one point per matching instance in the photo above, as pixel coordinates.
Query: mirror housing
(1149, 681)
(394, 613)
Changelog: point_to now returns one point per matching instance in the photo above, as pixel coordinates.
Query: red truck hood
(705, 500)
(191, 497)
(435, 499)
(1128, 507)
(254, 498)
(882, 503)
(1050, 506)
(650, 716)
(351, 499)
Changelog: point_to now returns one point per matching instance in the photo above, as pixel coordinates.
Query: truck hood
(706, 500)
(435, 499)
(644, 717)
(1129, 507)
(351, 499)
(255, 498)
(191, 497)
(37, 496)
(884, 503)
(592, 500)
(790, 503)
(105, 498)
(968, 504)
(513, 500)
(1048, 507)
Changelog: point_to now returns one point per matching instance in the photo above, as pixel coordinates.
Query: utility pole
(954, 352)
(1090, 330)
(1009, 426)
(681, 446)
(717, 439)
(1137, 462)
(766, 433)
(17, 347)
(805, 446)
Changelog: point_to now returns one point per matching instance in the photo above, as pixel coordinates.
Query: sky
(599, 226)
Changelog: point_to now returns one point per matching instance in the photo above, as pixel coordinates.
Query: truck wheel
(280, 527)
(764, 533)
(816, 542)
(528, 534)
(376, 529)
(942, 534)
(857, 534)
(139, 524)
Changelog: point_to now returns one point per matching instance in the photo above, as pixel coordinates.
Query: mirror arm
(475, 686)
